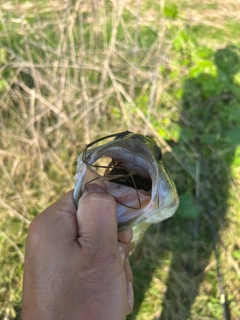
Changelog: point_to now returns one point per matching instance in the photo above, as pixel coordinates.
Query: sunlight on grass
(74, 71)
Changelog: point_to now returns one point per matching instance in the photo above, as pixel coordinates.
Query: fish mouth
(126, 159)
(131, 169)
(127, 169)
(121, 174)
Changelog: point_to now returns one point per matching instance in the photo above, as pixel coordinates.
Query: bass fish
(133, 173)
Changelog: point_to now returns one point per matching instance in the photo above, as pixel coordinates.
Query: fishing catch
(132, 170)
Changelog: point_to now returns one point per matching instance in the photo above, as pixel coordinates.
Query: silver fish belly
(134, 175)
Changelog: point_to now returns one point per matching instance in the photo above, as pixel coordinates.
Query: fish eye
(156, 149)
(121, 135)
(137, 136)
(158, 152)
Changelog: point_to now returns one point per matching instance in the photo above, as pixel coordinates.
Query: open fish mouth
(131, 168)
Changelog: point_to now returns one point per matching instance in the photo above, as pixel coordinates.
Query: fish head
(134, 175)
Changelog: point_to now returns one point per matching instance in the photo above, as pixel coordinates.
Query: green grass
(71, 72)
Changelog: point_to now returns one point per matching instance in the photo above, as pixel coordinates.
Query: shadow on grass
(209, 131)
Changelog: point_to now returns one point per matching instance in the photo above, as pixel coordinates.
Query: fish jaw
(79, 179)
(135, 155)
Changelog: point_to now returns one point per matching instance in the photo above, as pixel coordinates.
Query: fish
(134, 174)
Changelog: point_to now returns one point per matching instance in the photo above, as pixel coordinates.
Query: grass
(74, 71)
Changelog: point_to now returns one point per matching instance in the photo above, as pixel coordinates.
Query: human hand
(76, 264)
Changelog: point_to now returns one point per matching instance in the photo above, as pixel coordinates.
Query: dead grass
(74, 71)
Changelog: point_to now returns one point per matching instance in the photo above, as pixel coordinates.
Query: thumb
(97, 218)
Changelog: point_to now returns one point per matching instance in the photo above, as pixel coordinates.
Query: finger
(130, 297)
(53, 230)
(97, 218)
(57, 218)
(128, 271)
(124, 249)
(125, 236)
(129, 281)
(66, 204)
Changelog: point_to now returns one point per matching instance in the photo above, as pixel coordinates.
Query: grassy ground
(72, 71)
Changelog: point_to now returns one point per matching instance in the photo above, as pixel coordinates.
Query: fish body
(135, 176)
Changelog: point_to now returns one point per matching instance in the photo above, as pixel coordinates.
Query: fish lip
(120, 149)
(132, 148)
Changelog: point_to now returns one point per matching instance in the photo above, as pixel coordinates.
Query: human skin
(76, 264)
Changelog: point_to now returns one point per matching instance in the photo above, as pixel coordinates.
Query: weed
(72, 72)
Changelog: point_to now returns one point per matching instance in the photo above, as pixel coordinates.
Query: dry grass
(74, 71)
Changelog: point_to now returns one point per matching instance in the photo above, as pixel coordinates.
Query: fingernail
(122, 254)
(94, 187)
(130, 296)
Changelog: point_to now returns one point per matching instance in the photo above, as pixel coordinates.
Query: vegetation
(72, 71)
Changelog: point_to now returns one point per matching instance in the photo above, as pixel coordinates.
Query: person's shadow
(188, 240)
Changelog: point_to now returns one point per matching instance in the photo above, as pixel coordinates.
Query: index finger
(125, 236)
